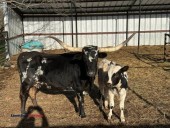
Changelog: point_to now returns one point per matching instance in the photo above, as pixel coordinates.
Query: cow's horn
(112, 49)
(65, 46)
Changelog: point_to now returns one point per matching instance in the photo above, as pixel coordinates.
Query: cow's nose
(109, 84)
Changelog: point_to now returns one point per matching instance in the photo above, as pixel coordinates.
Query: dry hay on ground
(147, 103)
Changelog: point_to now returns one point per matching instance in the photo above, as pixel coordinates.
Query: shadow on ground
(28, 121)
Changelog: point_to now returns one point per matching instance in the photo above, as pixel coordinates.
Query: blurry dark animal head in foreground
(28, 120)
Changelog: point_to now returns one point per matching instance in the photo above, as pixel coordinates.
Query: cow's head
(116, 74)
(90, 57)
(91, 53)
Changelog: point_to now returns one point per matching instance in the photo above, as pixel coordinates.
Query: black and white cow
(66, 71)
(113, 81)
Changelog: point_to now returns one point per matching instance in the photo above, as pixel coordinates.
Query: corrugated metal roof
(86, 7)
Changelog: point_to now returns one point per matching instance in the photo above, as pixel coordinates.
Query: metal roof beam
(101, 14)
(144, 5)
(100, 0)
(107, 11)
(99, 7)
(75, 1)
(133, 3)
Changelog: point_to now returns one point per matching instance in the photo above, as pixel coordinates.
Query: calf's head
(115, 74)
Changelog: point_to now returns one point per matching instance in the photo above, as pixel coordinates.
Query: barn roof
(87, 7)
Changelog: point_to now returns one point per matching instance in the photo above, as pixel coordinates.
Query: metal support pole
(169, 25)
(116, 32)
(127, 25)
(76, 32)
(23, 29)
(63, 29)
(72, 24)
(139, 24)
(75, 23)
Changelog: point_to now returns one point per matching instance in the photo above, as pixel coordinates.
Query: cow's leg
(122, 101)
(86, 86)
(32, 94)
(111, 103)
(91, 83)
(101, 93)
(81, 104)
(23, 97)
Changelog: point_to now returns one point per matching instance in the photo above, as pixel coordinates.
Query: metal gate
(3, 46)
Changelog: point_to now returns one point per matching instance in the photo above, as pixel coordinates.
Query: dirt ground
(147, 103)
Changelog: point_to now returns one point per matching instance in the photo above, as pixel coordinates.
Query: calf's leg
(103, 97)
(106, 104)
(101, 93)
(122, 101)
(111, 103)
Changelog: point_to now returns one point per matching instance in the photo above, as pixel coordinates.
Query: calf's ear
(102, 54)
(125, 68)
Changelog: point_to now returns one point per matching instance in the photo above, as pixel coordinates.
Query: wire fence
(3, 46)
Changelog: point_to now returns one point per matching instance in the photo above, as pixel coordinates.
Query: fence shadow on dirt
(149, 58)
(154, 60)
(149, 103)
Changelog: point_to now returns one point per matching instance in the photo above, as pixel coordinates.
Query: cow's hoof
(83, 116)
(122, 120)
(85, 93)
(109, 120)
(106, 107)
(109, 117)
(100, 107)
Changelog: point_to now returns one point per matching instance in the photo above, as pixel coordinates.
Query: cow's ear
(125, 68)
(102, 54)
(77, 57)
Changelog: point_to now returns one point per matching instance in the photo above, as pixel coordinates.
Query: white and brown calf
(113, 81)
